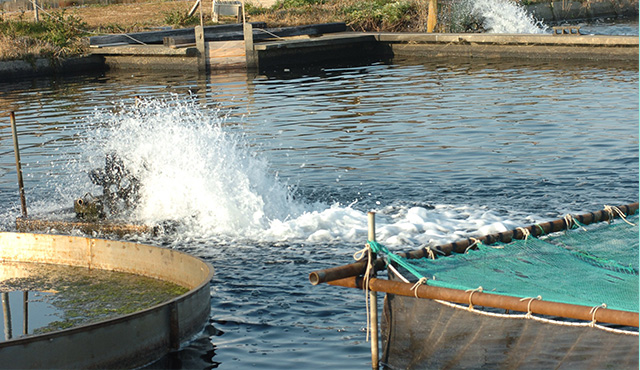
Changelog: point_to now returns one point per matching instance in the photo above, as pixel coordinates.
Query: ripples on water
(439, 149)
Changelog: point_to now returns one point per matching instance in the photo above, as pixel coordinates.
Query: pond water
(270, 177)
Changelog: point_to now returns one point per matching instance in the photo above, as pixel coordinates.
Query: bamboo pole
(16, 149)
(35, 11)
(535, 230)
(432, 16)
(603, 315)
(373, 298)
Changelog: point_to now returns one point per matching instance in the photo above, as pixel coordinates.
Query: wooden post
(432, 17)
(35, 11)
(250, 54)
(16, 149)
(25, 312)
(373, 299)
(201, 45)
(6, 311)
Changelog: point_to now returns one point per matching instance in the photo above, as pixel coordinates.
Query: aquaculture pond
(269, 177)
(41, 298)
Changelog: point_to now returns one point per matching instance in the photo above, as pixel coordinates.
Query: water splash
(505, 16)
(492, 16)
(191, 169)
(205, 177)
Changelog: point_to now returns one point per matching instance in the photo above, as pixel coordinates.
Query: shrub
(179, 18)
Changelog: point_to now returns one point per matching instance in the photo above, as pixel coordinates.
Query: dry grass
(23, 47)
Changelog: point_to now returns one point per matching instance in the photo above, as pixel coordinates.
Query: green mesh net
(584, 266)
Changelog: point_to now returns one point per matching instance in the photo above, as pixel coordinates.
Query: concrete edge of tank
(127, 341)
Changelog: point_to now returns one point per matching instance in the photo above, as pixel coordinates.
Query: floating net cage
(561, 294)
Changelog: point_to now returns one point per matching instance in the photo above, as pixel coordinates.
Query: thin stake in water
(16, 149)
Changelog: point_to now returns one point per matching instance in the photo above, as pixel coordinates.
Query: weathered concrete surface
(559, 11)
(344, 46)
(156, 57)
(15, 69)
(550, 47)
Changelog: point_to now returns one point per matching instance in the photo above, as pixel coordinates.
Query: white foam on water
(199, 174)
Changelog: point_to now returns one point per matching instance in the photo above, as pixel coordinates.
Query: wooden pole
(25, 312)
(250, 54)
(565, 310)
(6, 310)
(35, 11)
(373, 298)
(202, 49)
(432, 16)
(16, 149)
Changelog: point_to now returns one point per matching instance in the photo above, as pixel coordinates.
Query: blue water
(439, 150)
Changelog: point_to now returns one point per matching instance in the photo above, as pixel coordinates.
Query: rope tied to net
(531, 299)
(611, 209)
(475, 242)
(471, 291)
(423, 280)
(571, 223)
(525, 234)
(358, 256)
(593, 314)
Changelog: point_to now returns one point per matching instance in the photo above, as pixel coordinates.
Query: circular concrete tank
(126, 341)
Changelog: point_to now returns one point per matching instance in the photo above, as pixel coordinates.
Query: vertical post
(35, 11)
(432, 16)
(25, 312)
(250, 54)
(373, 299)
(16, 149)
(6, 310)
(202, 49)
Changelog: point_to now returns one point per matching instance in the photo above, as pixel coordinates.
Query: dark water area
(440, 150)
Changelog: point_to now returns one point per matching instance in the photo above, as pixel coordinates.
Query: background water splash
(505, 16)
(491, 16)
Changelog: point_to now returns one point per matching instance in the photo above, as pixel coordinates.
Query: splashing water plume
(190, 169)
(495, 16)
(197, 173)
(505, 16)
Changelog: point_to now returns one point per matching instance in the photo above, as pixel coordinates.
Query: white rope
(525, 232)
(358, 256)
(478, 289)
(397, 273)
(531, 299)
(570, 221)
(475, 242)
(593, 313)
(611, 209)
(423, 280)
(536, 318)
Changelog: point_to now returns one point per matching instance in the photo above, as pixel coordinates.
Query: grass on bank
(62, 33)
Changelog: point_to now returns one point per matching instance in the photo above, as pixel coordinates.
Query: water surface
(270, 177)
